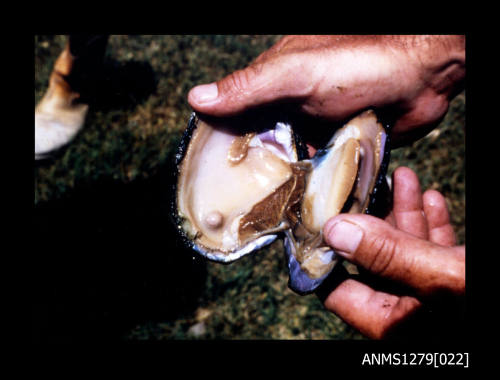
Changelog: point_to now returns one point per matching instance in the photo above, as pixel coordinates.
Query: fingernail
(205, 93)
(344, 237)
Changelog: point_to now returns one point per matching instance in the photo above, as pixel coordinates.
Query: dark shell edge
(176, 220)
(380, 200)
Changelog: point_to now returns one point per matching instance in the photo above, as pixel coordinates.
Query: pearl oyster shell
(241, 185)
(233, 185)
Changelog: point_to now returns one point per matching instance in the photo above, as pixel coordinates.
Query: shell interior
(233, 188)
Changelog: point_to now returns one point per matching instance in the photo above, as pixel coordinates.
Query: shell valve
(238, 189)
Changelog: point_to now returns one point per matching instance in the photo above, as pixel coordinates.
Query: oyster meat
(239, 188)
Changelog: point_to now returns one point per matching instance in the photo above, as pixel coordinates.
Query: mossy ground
(114, 271)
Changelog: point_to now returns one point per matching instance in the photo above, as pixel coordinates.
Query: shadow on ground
(117, 85)
(106, 253)
(107, 259)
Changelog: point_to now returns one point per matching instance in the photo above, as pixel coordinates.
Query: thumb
(386, 251)
(259, 84)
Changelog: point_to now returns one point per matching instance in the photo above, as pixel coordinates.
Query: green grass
(128, 143)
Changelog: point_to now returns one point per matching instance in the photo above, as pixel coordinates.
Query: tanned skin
(332, 78)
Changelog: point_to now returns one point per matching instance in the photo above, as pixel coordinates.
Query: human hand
(333, 77)
(414, 246)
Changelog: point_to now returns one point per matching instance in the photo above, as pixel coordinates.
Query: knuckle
(239, 81)
(383, 251)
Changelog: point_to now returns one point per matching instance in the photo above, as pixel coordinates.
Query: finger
(438, 219)
(371, 312)
(311, 150)
(408, 205)
(258, 84)
(386, 251)
(390, 219)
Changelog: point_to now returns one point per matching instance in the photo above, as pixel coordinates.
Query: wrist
(440, 62)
